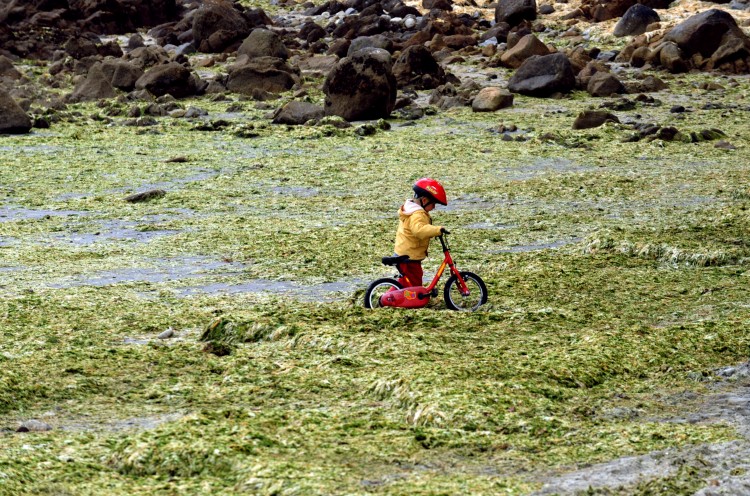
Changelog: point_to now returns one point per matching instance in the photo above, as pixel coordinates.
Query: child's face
(429, 207)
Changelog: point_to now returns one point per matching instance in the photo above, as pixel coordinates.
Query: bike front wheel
(377, 289)
(476, 297)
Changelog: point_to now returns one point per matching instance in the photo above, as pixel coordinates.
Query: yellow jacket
(415, 230)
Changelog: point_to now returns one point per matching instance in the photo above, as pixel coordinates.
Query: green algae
(321, 398)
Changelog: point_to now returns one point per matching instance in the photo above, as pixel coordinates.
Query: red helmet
(431, 189)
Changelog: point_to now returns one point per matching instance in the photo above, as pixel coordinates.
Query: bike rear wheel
(377, 289)
(465, 303)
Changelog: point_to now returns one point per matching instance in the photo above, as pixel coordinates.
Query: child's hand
(444, 231)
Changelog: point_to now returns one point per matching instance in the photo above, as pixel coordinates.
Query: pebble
(34, 426)
(166, 334)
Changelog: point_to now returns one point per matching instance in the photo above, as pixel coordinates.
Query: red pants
(411, 274)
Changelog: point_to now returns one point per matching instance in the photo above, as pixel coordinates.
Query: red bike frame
(448, 262)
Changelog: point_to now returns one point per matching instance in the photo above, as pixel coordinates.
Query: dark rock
(8, 70)
(95, 87)
(135, 41)
(169, 79)
(499, 31)
(515, 11)
(79, 47)
(218, 25)
(375, 41)
(262, 74)
(677, 109)
(145, 196)
(263, 43)
(361, 86)
(121, 74)
(417, 68)
(703, 33)
(593, 118)
(604, 84)
(311, 32)
(437, 4)
(546, 9)
(543, 76)
(297, 113)
(146, 57)
(672, 58)
(13, 120)
(635, 20)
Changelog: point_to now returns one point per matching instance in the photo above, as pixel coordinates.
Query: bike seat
(395, 259)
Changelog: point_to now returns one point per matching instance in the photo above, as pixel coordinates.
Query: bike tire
(377, 288)
(477, 293)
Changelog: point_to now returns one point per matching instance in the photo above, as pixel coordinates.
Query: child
(415, 229)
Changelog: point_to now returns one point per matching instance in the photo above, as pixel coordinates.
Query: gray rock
(13, 120)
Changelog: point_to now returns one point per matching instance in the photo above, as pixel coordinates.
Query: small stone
(166, 334)
(725, 145)
(34, 426)
(145, 196)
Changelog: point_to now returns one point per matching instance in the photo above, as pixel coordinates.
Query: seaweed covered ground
(213, 341)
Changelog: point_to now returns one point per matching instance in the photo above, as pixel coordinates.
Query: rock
(296, 113)
(361, 86)
(672, 59)
(543, 75)
(13, 120)
(145, 196)
(437, 4)
(169, 79)
(374, 41)
(604, 10)
(166, 334)
(725, 145)
(499, 31)
(218, 25)
(703, 33)
(515, 11)
(416, 68)
(94, 87)
(491, 99)
(593, 118)
(635, 20)
(652, 84)
(148, 56)
(641, 56)
(604, 84)
(121, 74)
(526, 47)
(34, 426)
(311, 32)
(263, 43)
(79, 47)
(135, 41)
(8, 70)
(262, 74)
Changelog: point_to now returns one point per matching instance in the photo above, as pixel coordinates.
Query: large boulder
(121, 74)
(526, 47)
(543, 75)
(217, 25)
(172, 78)
(361, 86)
(13, 120)
(248, 76)
(417, 68)
(703, 33)
(147, 56)
(95, 87)
(263, 43)
(635, 21)
(515, 11)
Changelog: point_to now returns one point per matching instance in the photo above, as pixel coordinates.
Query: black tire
(477, 293)
(377, 288)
